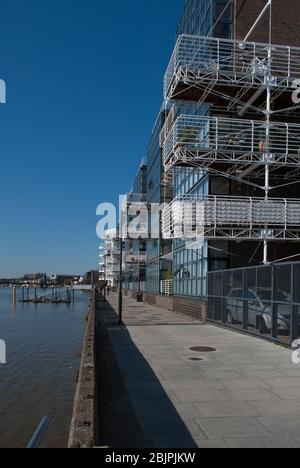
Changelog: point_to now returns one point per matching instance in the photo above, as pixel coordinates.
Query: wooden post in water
(14, 294)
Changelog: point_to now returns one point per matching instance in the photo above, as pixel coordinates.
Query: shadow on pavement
(134, 411)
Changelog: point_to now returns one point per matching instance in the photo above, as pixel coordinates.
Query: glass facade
(135, 249)
(190, 267)
(154, 195)
(207, 18)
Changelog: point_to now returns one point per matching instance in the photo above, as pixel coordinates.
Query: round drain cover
(203, 349)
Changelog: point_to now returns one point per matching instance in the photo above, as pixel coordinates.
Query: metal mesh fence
(263, 300)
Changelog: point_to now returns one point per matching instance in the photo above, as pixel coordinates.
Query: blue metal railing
(39, 434)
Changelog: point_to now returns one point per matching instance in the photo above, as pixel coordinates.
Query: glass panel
(282, 283)
(283, 322)
(264, 284)
(234, 314)
(218, 310)
(259, 316)
(297, 284)
(296, 323)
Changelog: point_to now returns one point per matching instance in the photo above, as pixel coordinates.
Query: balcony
(210, 67)
(166, 288)
(231, 218)
(212, 141)
(136, 258)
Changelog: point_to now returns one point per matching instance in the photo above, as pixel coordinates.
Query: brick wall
(286, 21)
(192, 307)
(150, 299)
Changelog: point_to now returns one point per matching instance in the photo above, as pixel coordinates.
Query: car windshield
(266, 295)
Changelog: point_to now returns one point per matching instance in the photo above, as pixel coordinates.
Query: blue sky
(84, 85)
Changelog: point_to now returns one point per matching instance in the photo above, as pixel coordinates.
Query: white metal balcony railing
(166, 287)
(223, 140)
(132, 258)
(231, 217)
(243, 63)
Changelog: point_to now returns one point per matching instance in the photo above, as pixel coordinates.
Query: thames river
(43, 357)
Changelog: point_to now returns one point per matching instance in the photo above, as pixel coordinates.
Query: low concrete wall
(83, 425)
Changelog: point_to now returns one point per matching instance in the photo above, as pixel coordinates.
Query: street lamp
(121, 280)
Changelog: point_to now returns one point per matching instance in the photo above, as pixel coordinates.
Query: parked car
(259, 313)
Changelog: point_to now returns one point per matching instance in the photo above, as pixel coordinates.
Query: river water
(43, 357)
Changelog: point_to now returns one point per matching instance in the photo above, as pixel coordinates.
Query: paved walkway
(245, 394)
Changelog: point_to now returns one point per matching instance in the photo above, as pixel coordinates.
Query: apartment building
(228, 137)
(238, 154)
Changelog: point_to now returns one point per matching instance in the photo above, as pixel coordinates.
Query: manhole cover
(203, 349)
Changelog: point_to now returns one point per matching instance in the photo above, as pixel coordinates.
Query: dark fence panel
(262, 300)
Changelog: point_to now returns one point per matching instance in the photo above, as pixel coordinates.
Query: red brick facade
(285, 18)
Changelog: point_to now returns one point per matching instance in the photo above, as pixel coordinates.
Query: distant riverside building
(60, 280)
(109, 258)
(92, 278)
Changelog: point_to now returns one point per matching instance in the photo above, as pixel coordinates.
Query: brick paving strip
(155, 394)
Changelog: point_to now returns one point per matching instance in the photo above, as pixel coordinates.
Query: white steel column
(268, 121)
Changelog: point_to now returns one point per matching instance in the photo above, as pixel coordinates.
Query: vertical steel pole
(121, 280)
(268, 114)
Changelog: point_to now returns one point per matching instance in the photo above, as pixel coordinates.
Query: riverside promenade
(155, 392)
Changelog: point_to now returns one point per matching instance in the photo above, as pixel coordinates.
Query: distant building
(63, 280)
(92, 277)
(109, 258)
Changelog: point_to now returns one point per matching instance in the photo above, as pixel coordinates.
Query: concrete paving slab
(211, 444)
(286, 425)
(195, 396)
(223, 410)
(263, 374)
(276, 408)
(283, 382)
(262, 443)
(244, 383)
(251, 395)
(219, 428)
(292, 393)
(200, 384)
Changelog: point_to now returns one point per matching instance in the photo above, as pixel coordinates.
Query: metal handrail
(39, 434)
(244, 61)
(197, 134)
